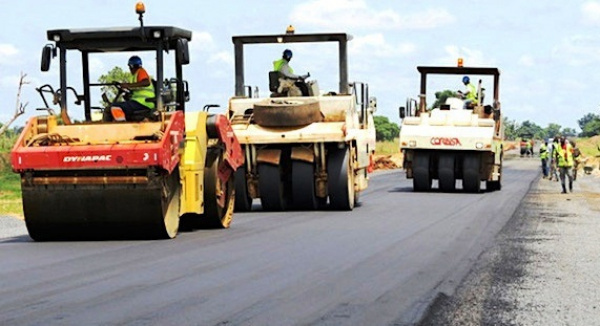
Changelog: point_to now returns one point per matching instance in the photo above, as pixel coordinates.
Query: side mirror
(46, 57)
(373, 104)
(183, 52)
(402, 111)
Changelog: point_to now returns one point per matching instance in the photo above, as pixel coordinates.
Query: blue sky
(548, 51)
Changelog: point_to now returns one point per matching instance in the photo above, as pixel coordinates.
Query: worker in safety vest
(564, 159)
(284, 69)
(470, 95)
(551, 150)
(544, 157)
(140, 85)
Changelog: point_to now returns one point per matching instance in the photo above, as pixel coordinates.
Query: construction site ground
(543, 268)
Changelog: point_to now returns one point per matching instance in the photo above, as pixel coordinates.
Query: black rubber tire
(446, 177)
(340, 180)
(271, 186)
(421, 173)
(243, 201)
(287, 112)
(471, 179)
(303, 186)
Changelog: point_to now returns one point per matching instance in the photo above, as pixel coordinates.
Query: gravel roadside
(544, 268)
(11, 227)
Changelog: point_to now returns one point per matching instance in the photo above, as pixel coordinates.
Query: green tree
(510, 128)
(116, 74)
(552, 130)
(569, 132)
(530, 128)
(590, 125)
(385, 129)
(440, 98)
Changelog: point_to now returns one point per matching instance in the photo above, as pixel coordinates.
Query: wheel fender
(303, 154)
(218, 126)
(271, 156)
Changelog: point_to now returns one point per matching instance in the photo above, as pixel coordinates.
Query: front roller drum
(103, 211)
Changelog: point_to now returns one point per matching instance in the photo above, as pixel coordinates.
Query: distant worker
(544, 157)
(551, 150)
(529, 147)
(577, 159)
(283, 67)
(140, 85)
(564, 159)
(470, 95)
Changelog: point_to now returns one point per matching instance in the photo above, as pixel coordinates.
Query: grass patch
(589, 146)
(387, 147)
(10, 182)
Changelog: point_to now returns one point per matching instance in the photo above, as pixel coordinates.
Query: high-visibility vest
(564, 155)
(142, 93)
(544, 152)
(472, 93)
(277, 64)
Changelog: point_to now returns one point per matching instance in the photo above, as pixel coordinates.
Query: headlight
(479, 145)
(156, 34)
(412, 143)
(56, 38)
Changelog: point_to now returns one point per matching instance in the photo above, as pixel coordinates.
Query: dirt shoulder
(543, 269)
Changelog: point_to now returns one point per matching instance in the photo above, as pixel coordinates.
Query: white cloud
(7, 53)
(223, 57)
(376, 45)
(333, 14)
(591, 12)
(526, 60)
(572, 85)
(202, 42)
(579, 50)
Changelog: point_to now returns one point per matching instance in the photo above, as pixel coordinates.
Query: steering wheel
(120, 91)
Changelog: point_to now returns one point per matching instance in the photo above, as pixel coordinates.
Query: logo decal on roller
(437, 141)
(87, 158)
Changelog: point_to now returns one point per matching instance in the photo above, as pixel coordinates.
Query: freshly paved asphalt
(381, 264)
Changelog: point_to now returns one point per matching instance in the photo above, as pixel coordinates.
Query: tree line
(589, 124)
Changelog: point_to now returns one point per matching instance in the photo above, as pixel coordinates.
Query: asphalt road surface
(381, 264)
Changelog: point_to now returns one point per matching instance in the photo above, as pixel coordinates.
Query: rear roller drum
(303, 186)
(271, 186)
(421, 174)
(340, 180)
(219, 195)
(471, 180)
(447, 180)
